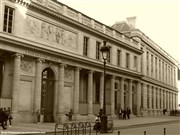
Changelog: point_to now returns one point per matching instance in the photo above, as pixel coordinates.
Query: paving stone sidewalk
(33, 128)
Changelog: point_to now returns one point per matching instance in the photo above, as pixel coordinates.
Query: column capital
(62, 65)
(77, 68)
(130, 80)
(113, 76)
(40, 60)
(18, 55)
(91, 71)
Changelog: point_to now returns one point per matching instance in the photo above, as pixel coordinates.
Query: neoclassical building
(50, 60)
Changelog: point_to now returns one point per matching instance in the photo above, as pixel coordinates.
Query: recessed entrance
(47, 94)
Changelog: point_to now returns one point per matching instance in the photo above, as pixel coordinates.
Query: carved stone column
(16, 82)
(112, 96)
(122, 93)
(38, 80)
(138, 94)
(76, 92)
(60, 92)
(144, 97)
(101, 90)
(90, 93)
(150, 98)
(130, 94)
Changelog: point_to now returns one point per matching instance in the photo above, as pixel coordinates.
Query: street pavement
(49, 128)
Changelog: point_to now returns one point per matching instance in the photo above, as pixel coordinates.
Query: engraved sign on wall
(47, 32)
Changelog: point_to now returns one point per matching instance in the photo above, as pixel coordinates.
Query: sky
(157, 19)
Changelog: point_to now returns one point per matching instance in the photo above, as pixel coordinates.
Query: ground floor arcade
(30, 82)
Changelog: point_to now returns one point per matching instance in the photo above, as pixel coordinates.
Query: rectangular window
(118, 57)
(147, 60)
(127, 60)
(135, 63)
(163, 71)
(109, 55)
(160, 70)
(98, 50)
(8, 19)
(152, 64)
(156, 67)
(166, 73)
(85, 46)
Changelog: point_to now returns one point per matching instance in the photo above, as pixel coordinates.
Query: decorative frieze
(47, 32)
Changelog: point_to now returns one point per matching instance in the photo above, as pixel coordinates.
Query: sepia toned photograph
(89, 67)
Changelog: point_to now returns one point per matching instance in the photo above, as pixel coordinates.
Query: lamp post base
(104, 124)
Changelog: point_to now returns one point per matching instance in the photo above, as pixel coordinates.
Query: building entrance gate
(47, 94)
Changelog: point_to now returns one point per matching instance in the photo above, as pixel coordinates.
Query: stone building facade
(50, 60)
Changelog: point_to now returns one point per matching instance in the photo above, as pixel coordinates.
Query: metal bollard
(119, 132)
(144, 132)
(164, 131)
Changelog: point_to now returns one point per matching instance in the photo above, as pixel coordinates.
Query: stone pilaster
(138, 94)
(76, 92)
(60, 92)
(38, 81)
(167, 95)
(16, 83)
(144, 96)
(122, 93)
(90, 93)
(165, 99)
(130, 94)
(112, 95)
(101, 89)
(162, 99)
(150, 98)
(176, 104)
(158, 98)
(154, 95)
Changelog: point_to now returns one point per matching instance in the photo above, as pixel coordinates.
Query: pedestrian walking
(124, 114)
(128, 111)
(8, 112)
(120, 113)
(70, 114)
(38, 114)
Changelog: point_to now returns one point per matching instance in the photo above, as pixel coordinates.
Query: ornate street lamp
(105, 53)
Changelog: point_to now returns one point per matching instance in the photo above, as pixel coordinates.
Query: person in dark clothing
(70, 115)
(3, 119)
(120, 113)
(8, 112)
(124, 114)
(100, 112)
(128, 111)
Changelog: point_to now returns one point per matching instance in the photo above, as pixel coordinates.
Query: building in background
(50, 60)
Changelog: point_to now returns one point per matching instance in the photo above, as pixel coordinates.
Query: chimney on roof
(132, 21)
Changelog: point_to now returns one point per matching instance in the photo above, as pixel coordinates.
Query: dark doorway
(47, 94)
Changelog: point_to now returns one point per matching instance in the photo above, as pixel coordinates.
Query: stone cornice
(106, 33)
(83, 62)
(151, 44)
(157, 83)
